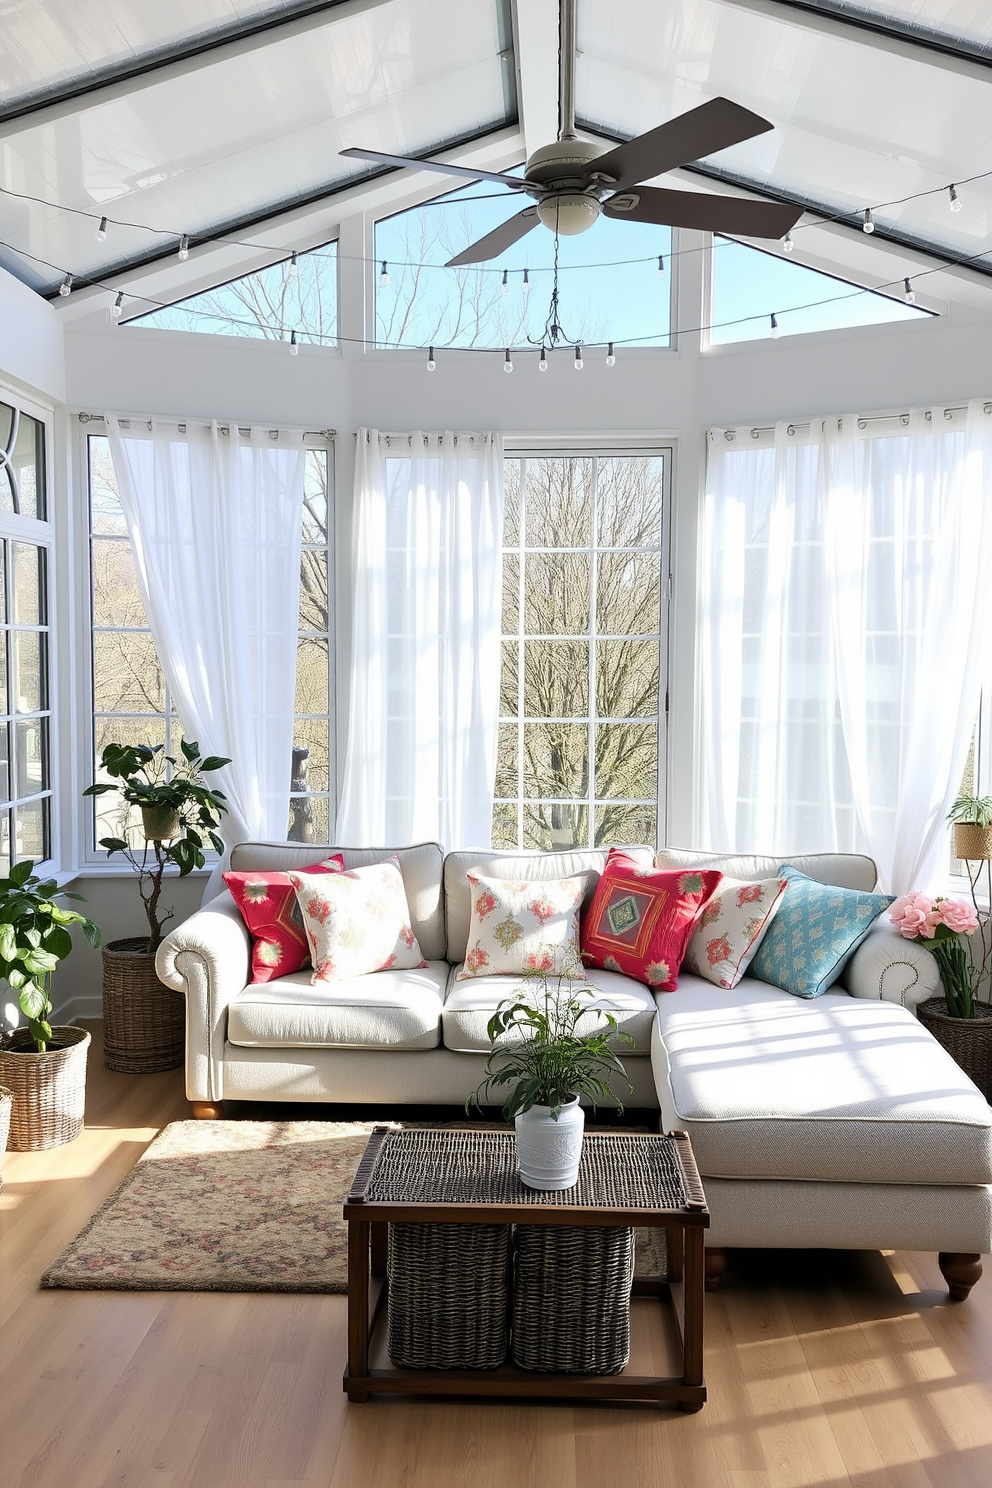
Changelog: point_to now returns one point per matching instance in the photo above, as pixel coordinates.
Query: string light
(578, 359)
(774, 327)
(525, 287)
(101, 232)
(908, 293)
(542, 365)
(430, 359)
(787, 243)
(868, 225)
(507, 364)
(183, 248)
(954, 201)
(610, 358)
(504, 288)
(117, 306)
(65, 288)
(293, 267)
(383, 275)
(661, 266)
(294, 349)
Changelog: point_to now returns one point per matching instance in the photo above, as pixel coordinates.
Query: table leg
(692, 1333)
(380, 1248)
(358, 1307)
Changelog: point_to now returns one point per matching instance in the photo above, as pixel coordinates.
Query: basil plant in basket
(545, 1063)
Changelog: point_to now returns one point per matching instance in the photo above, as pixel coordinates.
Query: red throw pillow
(641, 919)
(269, 907)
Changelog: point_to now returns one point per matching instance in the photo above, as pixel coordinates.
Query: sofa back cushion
(527, 866)
(846, 870)
(419, 865)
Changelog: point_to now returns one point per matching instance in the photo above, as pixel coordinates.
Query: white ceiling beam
(535, 45)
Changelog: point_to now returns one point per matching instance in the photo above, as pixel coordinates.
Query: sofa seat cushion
(843, 1090)
(385, 1010)
(468, 1006)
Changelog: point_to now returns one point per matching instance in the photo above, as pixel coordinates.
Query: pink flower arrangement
(939, 924)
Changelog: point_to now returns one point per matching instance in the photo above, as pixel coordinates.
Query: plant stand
(967, 1040)
(144, 1023)
(49, 1089)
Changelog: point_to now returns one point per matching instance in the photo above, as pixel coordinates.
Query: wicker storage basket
(144, 1022)
(967, 1040)
(571, 1298)
(6, 1101)
(972, 843)
(49, 1089)
(449, 1295)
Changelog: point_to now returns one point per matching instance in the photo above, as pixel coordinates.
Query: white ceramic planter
(548, 1151)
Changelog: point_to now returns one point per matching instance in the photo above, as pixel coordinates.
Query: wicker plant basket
(49, 1089)
(571, 1298)
(972, 843)
(967, 1040)
(144, 1022)
(449, 1289)
(6, 1101)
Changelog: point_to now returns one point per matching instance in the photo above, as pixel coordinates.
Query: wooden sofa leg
(716, 1261)
(960, 1270)
(208, 1110)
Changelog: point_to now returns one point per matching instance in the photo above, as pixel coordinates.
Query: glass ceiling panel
(63, 41)
(251, 132)
(967, 21)
(856, 125)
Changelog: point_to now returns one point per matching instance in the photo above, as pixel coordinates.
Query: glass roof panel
(966, 21)
(856, 125)
(250, 132)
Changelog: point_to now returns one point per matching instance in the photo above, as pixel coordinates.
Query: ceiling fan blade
(433, 165)
(713, 126)
(494, 243)
(721, 214)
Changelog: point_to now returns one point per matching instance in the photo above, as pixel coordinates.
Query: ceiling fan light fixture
(569, 213)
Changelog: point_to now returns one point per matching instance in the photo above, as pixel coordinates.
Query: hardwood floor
(823, 1368)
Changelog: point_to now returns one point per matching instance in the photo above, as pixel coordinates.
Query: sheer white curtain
(215, 519)
(845, 613)
(425, 663)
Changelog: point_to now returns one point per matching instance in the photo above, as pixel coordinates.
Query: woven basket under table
(48, 1089)
(967, 1040)
(571, 1298)
(448, 1295)
(144, 1022)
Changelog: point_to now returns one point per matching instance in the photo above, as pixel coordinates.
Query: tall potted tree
(143, 1021)
(44, 1068)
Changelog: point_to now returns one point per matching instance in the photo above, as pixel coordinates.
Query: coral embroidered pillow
(814, 934)
(729, 930)
(357, 922)
(269, 908)
(641, 918)
(520, 927)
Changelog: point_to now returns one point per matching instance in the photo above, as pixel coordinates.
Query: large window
(581, 741)
(131, 703)
(25, 639)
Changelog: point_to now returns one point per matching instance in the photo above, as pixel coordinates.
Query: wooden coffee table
(650, 1181)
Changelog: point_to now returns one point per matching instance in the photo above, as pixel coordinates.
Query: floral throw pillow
(357, 922)
(269, 908)
(729, 930)
(517, 927)
(641, 918)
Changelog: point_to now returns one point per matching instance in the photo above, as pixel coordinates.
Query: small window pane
(6, 489)
(4, 702)
(28, 465)
(313, 771)
(620, 824)
(505, 824)
(314, 590)
(630, 505)
(4, 761)
(556, 597)
(6, 424)
(5, 843)
(312, 694)
(315, 497)
(32, 833)
(626, 760)
(509, 677)
(555, 825)
(558, 503)
(627, 679)
(116, 596)
(556, 679)
(32, 753)
(126, 674)
(511, 504)
(30, 689)
(506, 759)
(556, 759)
(107, 514)
(30, 600)
(628, 595)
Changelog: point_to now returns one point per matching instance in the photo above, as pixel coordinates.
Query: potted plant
(546, 1064)
(143, 1021)
(971, 817)
(43, 1067)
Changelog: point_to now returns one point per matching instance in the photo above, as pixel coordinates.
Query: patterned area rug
(233, 1206)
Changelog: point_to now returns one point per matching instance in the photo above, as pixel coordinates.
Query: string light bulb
(525, 287)
(504, 288)
(507, 364)
(542, 365)
(954, 201)
(579, 364)
(787, 243)
(661, 266)
(294, 349)
(610, 358)
(183, 248)
(293, 267)
(101, 232)
(430, 359)
(117, 306)
(383, 275)
(908, 292)
(774, 327)
(65, 288)
(868, 225)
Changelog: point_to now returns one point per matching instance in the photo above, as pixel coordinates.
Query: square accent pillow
(516, 928)
(642, 918)
(269, 908)
(730, 929)
(816, 931)
(357, 922)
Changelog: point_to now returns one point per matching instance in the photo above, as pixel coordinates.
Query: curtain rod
(863, 420)
(99, 418)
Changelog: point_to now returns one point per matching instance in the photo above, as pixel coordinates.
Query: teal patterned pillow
(817, 929)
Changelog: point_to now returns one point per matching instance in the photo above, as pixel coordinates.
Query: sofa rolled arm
(208, 958)
(887, 967)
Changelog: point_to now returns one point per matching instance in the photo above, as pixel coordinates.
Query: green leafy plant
(144, 775)
(34, 938)
(552, 1061)
(974, 810)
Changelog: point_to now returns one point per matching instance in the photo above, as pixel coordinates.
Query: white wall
(31, 342)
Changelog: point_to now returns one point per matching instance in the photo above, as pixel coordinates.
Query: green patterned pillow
(817, 929)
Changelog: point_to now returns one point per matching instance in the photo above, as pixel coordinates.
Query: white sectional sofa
(837, 1122)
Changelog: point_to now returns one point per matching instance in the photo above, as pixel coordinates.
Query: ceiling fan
(573, 181)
